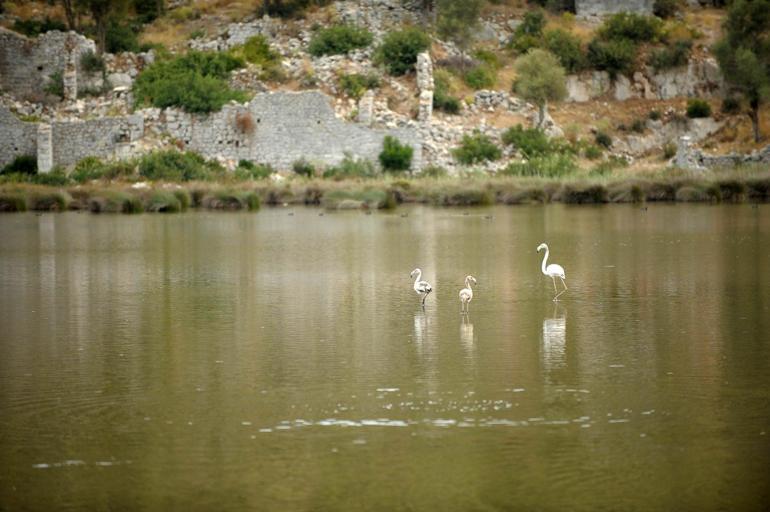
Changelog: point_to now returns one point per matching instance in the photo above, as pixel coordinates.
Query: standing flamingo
(553, 271)
(421, 287)
(466, 294)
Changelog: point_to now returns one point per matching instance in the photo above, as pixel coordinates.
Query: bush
(638, 126)
(631, 27)
(395, 157)
(303, 168)
(399, 50)
(34, 27)
(55, 85)
(232, 200)
(666, 8)
(288, 8)
(655, 115)
(476, 148)
(10, 202)
(162, 201)
(530, 142)
(592, 152)
(356, 84)
(56, 177)
(672, 56)
(480, 77)
(91, 62)
(532, 24)
(90, 168)
(257, 50)
(49, 201)
(731, 105)
(339, 40)
(114, 201)
(697, 108)
(615, 57)
(24, 164)
(195, 82)
(442, 100)
(603, 139)
(669, 150)
(351, 168)
(548, 166)
(567, 48)
(248, 170)
(122, 38)
(175, 166)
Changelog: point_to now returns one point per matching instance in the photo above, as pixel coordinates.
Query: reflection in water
(466, 335)
(554, 340)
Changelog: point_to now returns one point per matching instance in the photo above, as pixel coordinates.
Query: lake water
(281, 360)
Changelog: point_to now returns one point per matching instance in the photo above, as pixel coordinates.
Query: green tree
(744, 54)
(457, 21)
(102, 11)
(540, 78)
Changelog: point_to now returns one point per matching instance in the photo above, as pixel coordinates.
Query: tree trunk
(69, 11)
(101, 35)
(541, 115)
(754, 116)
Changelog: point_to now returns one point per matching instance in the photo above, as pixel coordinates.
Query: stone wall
(17, 138)
(107, 137)
(280, 128)
(603, 7)
(26, 64)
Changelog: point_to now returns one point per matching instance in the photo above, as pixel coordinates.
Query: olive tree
(540, 78)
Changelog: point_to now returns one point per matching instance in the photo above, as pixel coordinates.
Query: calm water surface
(282, 362)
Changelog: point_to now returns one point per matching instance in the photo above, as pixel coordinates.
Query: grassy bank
(733, 186)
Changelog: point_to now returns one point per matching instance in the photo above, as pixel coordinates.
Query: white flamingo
(421, 287)
(553, 271)
(466, 294)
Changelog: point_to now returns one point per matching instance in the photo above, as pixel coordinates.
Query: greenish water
(282, 362)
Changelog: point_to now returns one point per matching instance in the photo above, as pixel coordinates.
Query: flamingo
(421, 287)
(553, 271)
(466, 294)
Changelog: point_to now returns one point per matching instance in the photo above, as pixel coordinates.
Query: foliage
(339, 40)
(550, 166)
(288, 8)
(631, 27)
(194, 82)
(351, 168)
(399, 50)
(147, 10)
(163, 201)
(395, 157)
(567, 47)
(457, 20)
(442, 99)
(615, 56)
(480, 77)
(697, 108)
(669, 150)
(24, 164)
(731, 105)
(540, 78)
(302, 167)
(257, 50)
(248, 170)
(744, 54)
(655, 115)
(122, 37)
(666, 8)
(530, 142)
(592, 152)
(91, 62)
(34, 26)
(528, 34)
(55, 85)
(476, 148)
(354, 85)
(433, 171)
(174, 166)
(674, 55)
(603, 139)
(90, 168)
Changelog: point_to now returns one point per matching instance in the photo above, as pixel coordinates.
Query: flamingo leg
(555, 297)
(564, 290)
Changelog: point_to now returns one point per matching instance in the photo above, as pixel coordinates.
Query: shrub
(24, 164)
(697, 108)
(122, 38)
(638, 126)
(231, 200)
(288, 8)
(476, 148)
(257, 50)
(433, 171)
(34, 27)
(248, 170)
(603, 139)
(666, 8)
(442, 100)
(731, 105)
(356, 84)
(480, 77)
(669, 150)
(162, 201)
(567, 48)
(91, 62)
(488, 57)
(583, 194)
(184, 198)
(244, 123)
(197, 34)
(11, 202)
(592, 152)
(339, 40)
(632, 27)
(672, 56)
(56, 177)
(55, 85)
(194, 82)
(655, 115)
(351, 168)
(49, 201)
(530, 142)
(399, 50)
(175, 166)
(532, 24)
(549, 166)
(395, 157)
(90, 168)
(615, 57)
(302, 167)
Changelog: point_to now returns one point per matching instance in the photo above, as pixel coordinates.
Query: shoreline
(386, 193)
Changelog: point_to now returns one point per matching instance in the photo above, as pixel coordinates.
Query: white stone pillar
(425, 86)
(366, 108)
(44, 148)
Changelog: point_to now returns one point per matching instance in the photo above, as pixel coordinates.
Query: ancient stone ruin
(604, 7)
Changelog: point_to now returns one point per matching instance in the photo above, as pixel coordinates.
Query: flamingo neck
(417, 279)
(545, 260)
(468, 283)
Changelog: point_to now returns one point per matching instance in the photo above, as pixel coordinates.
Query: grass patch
(231, 200)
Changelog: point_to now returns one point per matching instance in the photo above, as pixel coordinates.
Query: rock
(120, 80)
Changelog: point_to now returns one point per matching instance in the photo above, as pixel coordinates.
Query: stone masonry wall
(26, 64)
(17, 138)
(74, 140)
(280, 128)
(603, 7)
